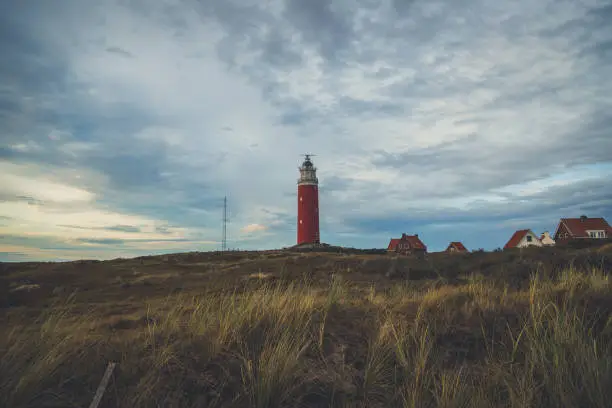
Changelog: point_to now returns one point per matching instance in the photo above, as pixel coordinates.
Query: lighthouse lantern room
(308, 204)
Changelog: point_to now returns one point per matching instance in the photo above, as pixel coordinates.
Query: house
(546, 239)
(522, 239)
(456, 247)
(407, 244)
(582, 228)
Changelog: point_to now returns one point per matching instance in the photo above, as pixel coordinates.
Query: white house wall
(535, 241)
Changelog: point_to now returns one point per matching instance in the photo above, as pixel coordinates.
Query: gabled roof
(393, 244)
(578, 227)
(458, 246)
(413, 240)
(516, 238)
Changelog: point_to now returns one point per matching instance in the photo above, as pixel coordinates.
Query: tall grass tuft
(474, 343)
(34, 356)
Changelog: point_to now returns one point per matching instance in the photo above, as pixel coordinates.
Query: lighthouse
(308, 204)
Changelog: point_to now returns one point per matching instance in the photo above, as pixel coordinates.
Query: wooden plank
(102, 386)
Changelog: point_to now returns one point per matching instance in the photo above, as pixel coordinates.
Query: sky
(124, 123)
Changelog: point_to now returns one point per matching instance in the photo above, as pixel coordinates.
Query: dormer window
(597, 234)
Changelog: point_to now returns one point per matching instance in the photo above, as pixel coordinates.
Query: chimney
(403, 235)
(416, 235)
(583, 218)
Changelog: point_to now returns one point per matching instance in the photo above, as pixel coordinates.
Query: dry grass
(296, 342)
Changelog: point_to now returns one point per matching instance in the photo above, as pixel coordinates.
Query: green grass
(290, 342)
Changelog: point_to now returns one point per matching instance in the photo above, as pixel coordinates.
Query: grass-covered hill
(527, 328)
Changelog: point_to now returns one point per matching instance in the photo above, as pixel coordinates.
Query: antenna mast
(224, 238)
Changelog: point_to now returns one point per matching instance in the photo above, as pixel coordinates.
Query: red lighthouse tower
(308, 204)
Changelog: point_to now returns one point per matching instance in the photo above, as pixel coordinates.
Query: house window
(528, 238)
(597, 234)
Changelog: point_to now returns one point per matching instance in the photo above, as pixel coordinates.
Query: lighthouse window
(300, 198)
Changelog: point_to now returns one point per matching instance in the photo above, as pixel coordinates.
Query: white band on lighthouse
(308, 173)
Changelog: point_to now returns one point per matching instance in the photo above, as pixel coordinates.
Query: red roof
(516, 238)
(578, 227)
(393, 244)
(413, 241)
(458, 246)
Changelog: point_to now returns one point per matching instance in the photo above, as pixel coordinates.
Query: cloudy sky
(124, 123)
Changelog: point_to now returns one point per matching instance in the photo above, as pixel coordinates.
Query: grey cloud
(321, 25)
(163, 229)
(328, 29)
(275, 45)
(589, 33)
(45, 243)
(130, 171)
(365, 109)
(294, 118)
(594, 194)
(8, 103)
(123, 228)
(590, 197)
(30, 200)
(425, 158)
(125, 163)
(249, 28)
(119, 51)
(403, 7)
(198, 204)
(318, 19)
(30, 75)
(13, 256)
(277, 49)
(335, 184)
(475, 165)
(26, 61)
(280, 221)
(589, 145)
(293, 113)
(102, 241)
